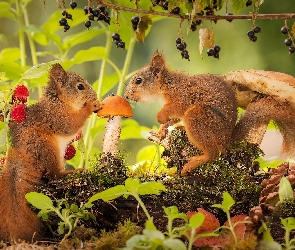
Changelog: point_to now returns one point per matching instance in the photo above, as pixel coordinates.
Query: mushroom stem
(111, 135)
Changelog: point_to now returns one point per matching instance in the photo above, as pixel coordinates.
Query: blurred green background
(237, 51)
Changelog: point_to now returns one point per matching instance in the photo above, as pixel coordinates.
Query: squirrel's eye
(138, 80)
(80, 86)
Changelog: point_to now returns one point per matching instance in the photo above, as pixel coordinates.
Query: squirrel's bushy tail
(17, 220)
(252, 125)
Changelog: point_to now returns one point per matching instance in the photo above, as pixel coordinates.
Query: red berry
(20, 94)
(70, 152)
(18, 113)
(2, 160)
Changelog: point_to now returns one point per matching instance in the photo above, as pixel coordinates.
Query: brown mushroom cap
(114, 105)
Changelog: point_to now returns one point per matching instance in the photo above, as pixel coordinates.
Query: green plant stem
(191, 240)
(87, 137)
(126, 64)
(21, 33)
(136, 196)
(31, 42)
(231, 228)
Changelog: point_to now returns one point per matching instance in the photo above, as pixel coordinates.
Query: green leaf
(174, 244)
(151, 187)
(149, 224)
(5, 10)
(132, 185)
(130, 129)
(146, 153)
(39, 201)
(293, 29)
(153, 234)
(173, 213)
(109, 82)
(74, 208)
(285, 189)
(109, 194)
(196, 220)
(289, 223)
(10, 54)
(238, 5)
(92, 54)
(227, 202)
(12, 70)
(39, 70)
(81, 37)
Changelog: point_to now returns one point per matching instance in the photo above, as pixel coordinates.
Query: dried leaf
(206, 39)
(293, 29)
(143, 25)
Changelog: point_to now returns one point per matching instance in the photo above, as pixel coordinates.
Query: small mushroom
(113, 107)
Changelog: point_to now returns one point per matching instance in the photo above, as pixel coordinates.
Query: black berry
(106, 17)
(121, 44)
(253, 38)
(69, 16)
(291, 49)
(250, 33)
(248, 3)
(64, 13)
(63, 22)
(96, 12)
(229, 14)
(180, 46)
(73, 4)
(198, 22)
(184, 54)
(288, 42)
(135, 20)
(88, 24)
(101, 8)
(216, 48)
(176, 10)
(116, 37)
(178, 40)
(209, 12)
(165, 5)
(91, 17)
(87, 10)
(66, 27)
(284, 30)
(210, 52)
(193, 26)
(257, 29)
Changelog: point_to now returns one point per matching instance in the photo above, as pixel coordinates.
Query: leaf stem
(136, 196)
(21, 33)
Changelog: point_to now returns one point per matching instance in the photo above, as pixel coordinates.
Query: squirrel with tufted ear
(207, 105)
(38, 147)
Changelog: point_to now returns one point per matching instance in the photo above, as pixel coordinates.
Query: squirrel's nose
(96, 106)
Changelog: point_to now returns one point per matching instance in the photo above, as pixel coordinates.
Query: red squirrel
(38, 146)
(207, 105)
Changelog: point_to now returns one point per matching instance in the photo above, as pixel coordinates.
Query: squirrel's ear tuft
(158, 61)
(58, 74)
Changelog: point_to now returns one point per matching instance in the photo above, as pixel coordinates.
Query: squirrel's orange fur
(38, 146)
(207, 104)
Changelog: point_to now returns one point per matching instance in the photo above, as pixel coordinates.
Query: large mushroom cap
(114, 105)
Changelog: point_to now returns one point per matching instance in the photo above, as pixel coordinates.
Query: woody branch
(211, 17)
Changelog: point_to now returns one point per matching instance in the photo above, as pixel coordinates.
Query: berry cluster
(214, 51)
(135, 21)
(181, 46)
(70, 151)
(252, 33)
(118, 41)
(288, 41)
(164, 4)
(19, 98)
(73, 4)
(100, 13)
(195, 24)
(64, 22)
